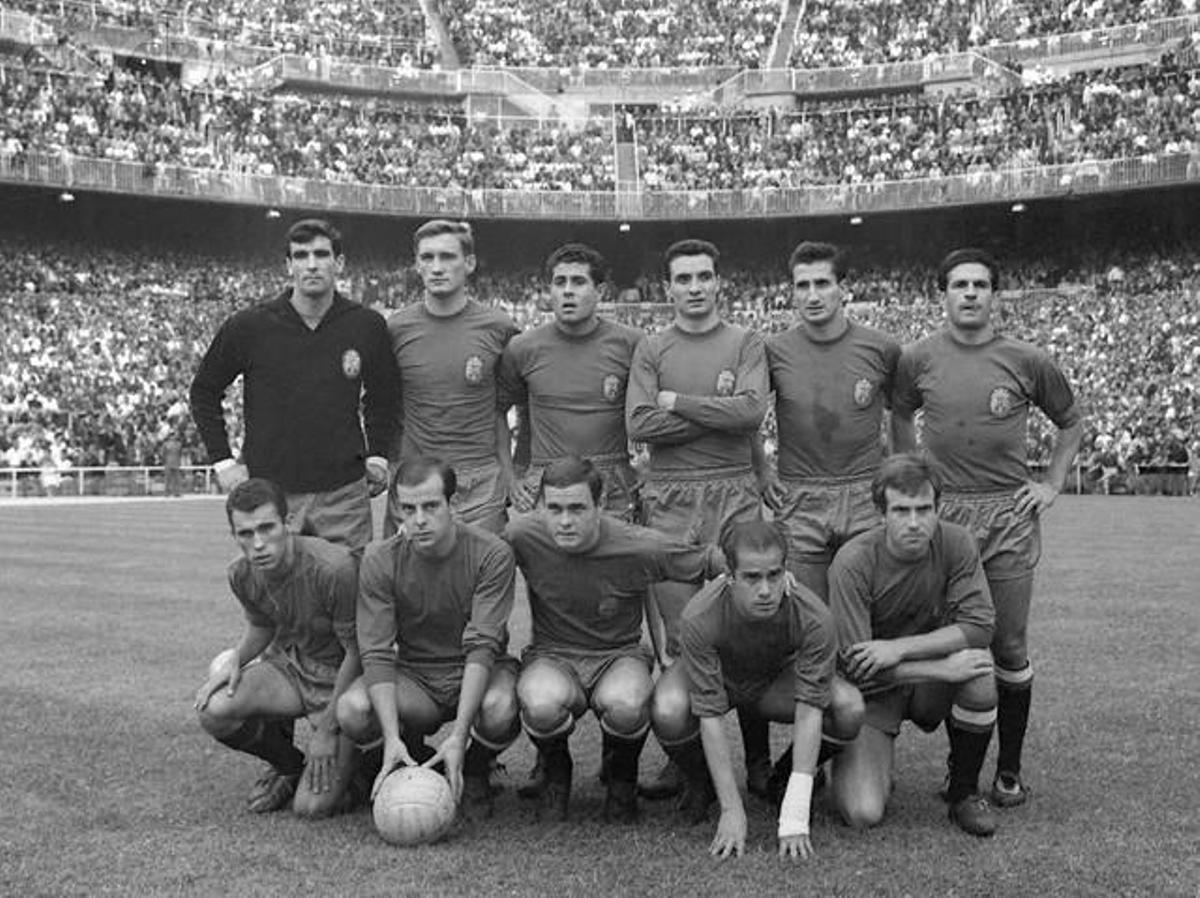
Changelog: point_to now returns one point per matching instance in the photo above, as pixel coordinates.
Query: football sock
(756, 735)
(1015, 688)
(623, 756)
(270, 740)
(970, 734)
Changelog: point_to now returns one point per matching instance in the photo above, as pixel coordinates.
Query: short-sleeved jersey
(309, 601)
(574, 388)
(448, 367)
(829, 400)
(976, 403)
(720, 377)
(594, 600)
(874, 595)
(723, 651)
(449, 609)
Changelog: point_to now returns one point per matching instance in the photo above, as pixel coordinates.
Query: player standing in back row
(697, 395)
(976, 388)
(832, 379)
(448, 350)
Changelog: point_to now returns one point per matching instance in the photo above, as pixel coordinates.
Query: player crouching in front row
(296, 655)
(754, 640)
(914, 619)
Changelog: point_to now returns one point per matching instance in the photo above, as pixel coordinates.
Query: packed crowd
(98, 352)
(610, 33)
(138, 118)
(1129, 113)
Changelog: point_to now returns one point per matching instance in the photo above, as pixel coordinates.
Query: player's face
(816, 293)
(573, 294)
(425, 512)
(571, 516)
(759, 583)
(314, 268)
(261, 535)
(693, 286)
(969, 296)
(910, 522)
(443, 266)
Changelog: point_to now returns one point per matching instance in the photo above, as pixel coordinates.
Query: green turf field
(107, 786)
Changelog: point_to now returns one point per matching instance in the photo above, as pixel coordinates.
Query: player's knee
(354, 714)
(860, 810)
(498, 712)
(978, 694)
(313, 805)
(671, 713)
(1011, 650)
(542, 710)
(624, 717)
(846, 711)
(218, 718)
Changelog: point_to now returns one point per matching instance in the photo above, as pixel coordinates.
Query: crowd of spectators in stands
(608, 33)
(1141, 112)
(100, 346)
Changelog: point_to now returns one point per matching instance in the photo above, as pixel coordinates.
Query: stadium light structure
(66, 197)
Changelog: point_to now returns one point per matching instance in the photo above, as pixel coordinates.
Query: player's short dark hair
(689, 248)
(906, 473)
(966, 256)
(254, 493)
(416, 470)
(439, 226)
(751, 536)
(570, 470)
(306, 230)
(582, 254)
(815, 251)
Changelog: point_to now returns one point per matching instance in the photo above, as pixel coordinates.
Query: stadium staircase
(785, 35)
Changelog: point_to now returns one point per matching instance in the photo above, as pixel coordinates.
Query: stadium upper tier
(1136, 114)
(100, 344)
(607, 33)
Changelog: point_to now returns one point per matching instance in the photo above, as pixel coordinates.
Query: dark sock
(270, 740)
(1012, 719)
(623, 756)
(967, 751)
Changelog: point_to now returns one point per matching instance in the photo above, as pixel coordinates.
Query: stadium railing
(1002, 185)
(1047, 47)
(150, 480)
(112, 480)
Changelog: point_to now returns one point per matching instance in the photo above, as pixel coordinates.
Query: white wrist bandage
(794, 812)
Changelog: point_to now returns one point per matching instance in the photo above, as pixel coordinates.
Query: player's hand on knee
(730, 840)
(967, 664)
(394, 755)
(225, 668)
(322, 760)
(792, 847)
(230, 476)
(864, 660)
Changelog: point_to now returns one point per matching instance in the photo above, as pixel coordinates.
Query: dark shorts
(585, 669)
(886, 711)
(312, 680)
(694, 510)
(341, 516)
(443, 682)
(822, 515)
(1010, 544)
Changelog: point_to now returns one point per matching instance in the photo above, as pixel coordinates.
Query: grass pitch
(110, 613)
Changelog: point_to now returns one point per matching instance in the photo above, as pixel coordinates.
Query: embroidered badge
(863, 391)
(725, 383)
(611, 387)
(1001, 402)
(473, 370)
(351, 363)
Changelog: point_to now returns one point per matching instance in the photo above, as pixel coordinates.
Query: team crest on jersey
(863, 392)
(473, 370)
(725, 382)
(611, 387)
(351, 363)
(1001, 402)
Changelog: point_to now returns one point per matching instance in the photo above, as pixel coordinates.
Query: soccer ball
(414, 807)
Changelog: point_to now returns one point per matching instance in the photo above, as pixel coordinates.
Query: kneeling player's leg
(678, 732)
(1014, 673)
(496, 726)
(325, 780)
(257, 719)
(621, 702)
(862, 777)
(550, 698)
